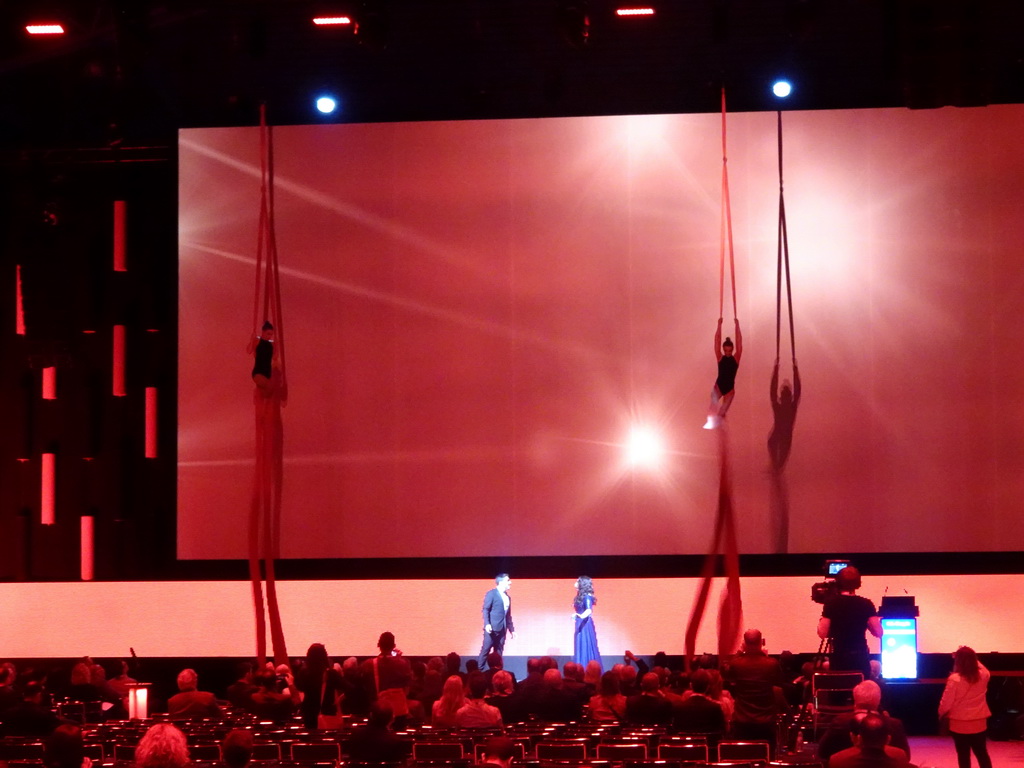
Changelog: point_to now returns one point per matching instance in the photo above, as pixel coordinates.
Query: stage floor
(938, 752)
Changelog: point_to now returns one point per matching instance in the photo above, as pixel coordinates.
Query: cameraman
(845, 618)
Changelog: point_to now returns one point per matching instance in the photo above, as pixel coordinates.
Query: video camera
(825, 591)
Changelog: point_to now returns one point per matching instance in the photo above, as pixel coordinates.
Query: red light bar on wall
(330, 21)
(634, 12)
(44, 29)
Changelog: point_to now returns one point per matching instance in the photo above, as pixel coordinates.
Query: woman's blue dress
(585, 637)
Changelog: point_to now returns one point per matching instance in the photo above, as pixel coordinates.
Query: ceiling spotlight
(332, 21)
(782, 88)
(44, 29)
(326, 104)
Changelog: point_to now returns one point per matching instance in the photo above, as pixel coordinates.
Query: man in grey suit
(497, 618)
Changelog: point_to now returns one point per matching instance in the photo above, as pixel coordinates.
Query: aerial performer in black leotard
(262, 370)
(725, 385)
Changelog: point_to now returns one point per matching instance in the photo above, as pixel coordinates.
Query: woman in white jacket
(963, 701)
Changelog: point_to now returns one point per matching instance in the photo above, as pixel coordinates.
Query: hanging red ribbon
(268, 478)
(724, 537)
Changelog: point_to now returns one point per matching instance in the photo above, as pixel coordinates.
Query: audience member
(531, 688)
(8, 696)
(476, 712)
(30, 717)
(717, 692)
(499, 750)
(355, 691)
(627, 680)
(572, 681)
(80, 687)
(321, 687)
(121, 682)
(755, 679)
(496, 663)
(267, 704)
(453, 665)
(64, 748)
(191, 702)
(375, 742)
(433, 683)
(162, 746)
(555, 704)
(592, 676)
(699, 713)
(389, 677)
(867, 698)
(608, 705)
(870, 748)
(240, 691)
(236, 748)
(445, 709)
(648, 707)
(508, 701)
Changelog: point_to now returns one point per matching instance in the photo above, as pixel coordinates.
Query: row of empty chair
(575, 750)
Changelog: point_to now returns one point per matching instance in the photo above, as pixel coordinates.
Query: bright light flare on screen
(634, 12)
(331, 21)
(645, 448)
(44, 29)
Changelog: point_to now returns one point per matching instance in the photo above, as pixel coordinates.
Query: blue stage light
(782, 88)
(326, 104)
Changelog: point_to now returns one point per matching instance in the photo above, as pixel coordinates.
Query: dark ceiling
(132, 71)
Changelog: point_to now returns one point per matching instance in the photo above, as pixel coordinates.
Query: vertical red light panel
(19, 311)
(151, 433)
(119, 354)
(50, 383)
(120, 262)
(87, 548)
(47, 503)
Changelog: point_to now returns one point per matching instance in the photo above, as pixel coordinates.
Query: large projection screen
(477, 313)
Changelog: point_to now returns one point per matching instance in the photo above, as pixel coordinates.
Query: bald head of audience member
(753, 641)
(871, 733)
(650, 684)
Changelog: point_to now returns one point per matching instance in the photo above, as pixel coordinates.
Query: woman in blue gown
(585, 636)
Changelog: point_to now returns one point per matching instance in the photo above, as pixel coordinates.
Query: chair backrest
(562, 750)
(690, 752)
(320, 752)
(518, 754)
(204, 752)
(836, 681)
(93, 751)
(832, 691)
(266, 750)
(124, 752)
(743, 751)
(437, 750)
(26, 750)
(617, 752)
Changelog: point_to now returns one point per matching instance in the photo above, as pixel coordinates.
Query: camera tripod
(824, 649)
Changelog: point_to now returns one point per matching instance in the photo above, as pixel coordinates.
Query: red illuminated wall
(476, 312)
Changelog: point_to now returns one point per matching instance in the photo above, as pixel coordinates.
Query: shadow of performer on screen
(785, 402)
